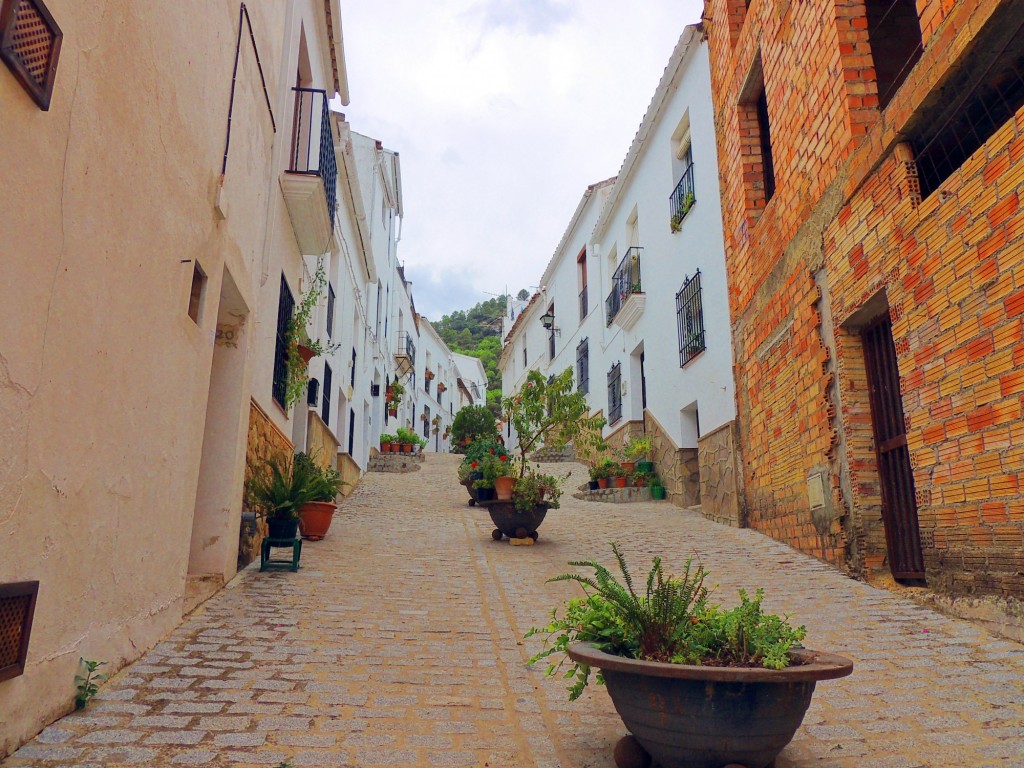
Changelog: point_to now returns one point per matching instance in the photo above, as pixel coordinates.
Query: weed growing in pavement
(87, 684)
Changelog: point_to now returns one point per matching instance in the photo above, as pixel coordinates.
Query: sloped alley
(399, 642)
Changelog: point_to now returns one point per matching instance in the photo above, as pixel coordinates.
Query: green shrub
(473, 422)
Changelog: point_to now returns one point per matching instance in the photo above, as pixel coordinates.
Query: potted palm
(696, 685)
(276, 493)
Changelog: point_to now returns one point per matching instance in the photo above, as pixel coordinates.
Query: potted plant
(619, 476)
(639, 479)
(276, 492)
(485, 484)
(603, 471)
(393, 397)
(474, 422)
(406, 438)
(324, 484)
(546, 412)
(386, 441)
(504, 479)
(595, 473)
(697, 686)
(635, 450)
(658, 491)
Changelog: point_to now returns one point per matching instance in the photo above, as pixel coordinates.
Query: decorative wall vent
(30, 45)
(17, 606)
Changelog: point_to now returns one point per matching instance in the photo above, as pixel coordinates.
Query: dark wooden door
(899, 506)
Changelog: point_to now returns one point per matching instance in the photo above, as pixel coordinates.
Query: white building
(637, 291)
(472, 381)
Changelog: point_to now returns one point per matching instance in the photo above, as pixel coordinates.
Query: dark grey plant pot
(709, 717)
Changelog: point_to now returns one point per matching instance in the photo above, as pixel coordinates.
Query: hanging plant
(302, 349)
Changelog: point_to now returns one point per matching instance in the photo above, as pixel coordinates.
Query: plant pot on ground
(276, 492)
(696, 685)
(325, 483)
(658, 491)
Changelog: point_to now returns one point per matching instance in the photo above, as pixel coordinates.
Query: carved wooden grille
(17, 605)
(30, 45)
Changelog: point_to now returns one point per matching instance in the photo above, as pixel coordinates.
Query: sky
(502, 112)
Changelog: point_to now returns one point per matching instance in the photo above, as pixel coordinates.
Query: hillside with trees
(477, 332)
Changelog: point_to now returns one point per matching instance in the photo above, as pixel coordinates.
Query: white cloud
(503, 112)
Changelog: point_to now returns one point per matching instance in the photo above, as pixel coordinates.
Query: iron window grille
(352, 373)
(312, 393)
(326, 399)
(330, 310)
(615, 393)
(313, 148)
(285, 308)
(17, 608)
(426, 421)
(30, 46)
(980, 97)
(625, 282)
(690, 320)
(551, 344)
(682, 198)
(583, 366)
(584, 308)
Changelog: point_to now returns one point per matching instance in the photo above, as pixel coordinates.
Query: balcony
(309, 184)
(626, 302)
(405, 355)
(681, 200)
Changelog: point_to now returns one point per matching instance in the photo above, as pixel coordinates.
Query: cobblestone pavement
(399, 643)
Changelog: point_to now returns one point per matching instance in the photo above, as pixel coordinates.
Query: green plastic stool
(266, 561)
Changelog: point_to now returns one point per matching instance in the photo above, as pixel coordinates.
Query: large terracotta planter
(315, 518)
(509, 521)
(503, 487)
(602, 482)
(710, 717)
(620, 482)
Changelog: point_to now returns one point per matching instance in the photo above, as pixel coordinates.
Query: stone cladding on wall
(719, 490)
(265, 441)
(846, 231)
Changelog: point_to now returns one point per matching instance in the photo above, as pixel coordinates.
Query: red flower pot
(602, 482)
(620, 482)
(503, 486)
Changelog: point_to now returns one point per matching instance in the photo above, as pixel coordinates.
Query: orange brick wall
(847, 222)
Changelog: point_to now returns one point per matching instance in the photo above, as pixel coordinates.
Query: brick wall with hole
(847, 216)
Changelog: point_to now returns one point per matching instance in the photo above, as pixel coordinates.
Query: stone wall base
(719, 493)
(265, 440)
(615, 495)
(395, 462)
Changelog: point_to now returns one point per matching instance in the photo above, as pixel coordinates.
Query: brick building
(871, 154)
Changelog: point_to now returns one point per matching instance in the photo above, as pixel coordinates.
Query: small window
(30, 46)
(197, 294)
(352, 377)
(17, 607)
(326, 403)
(615, 393)
(426, 421)
(894, 34)
(524, 355)
(583, 366)
(756, 136)
(330, 311)
(690, 320)
(285, 307)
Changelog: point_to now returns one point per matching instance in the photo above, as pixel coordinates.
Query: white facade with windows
(637, 287)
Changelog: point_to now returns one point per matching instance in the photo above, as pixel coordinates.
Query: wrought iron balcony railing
(625, 282)
(313, 142)
(682, 199)
(406, 346)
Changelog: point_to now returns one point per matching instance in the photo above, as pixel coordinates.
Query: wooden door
(899, 505)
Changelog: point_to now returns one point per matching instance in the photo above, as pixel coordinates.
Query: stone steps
(395, 462)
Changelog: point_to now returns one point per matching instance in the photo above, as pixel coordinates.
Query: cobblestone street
(398, 642)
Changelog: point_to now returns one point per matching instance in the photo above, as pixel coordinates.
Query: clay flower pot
(602, 482)
(620, 482)
(503, 487)
(315, 518)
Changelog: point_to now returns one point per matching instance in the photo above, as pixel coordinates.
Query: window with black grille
(615, 393)
(17, 607)
(426, 421)
(979, 97)
(330, 310)
(583, 366)
(690, 320)
(352, 376)
(285, 307)
(30, 46)
(325, 402)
